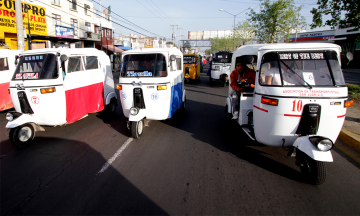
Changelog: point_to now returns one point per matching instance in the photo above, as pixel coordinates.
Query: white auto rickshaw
(299, 101)
(220, 69)
(53, 87)
(7, 68)
(151, 86)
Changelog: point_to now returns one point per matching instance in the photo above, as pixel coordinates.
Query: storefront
(34, 22)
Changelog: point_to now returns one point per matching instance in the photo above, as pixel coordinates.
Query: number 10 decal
(298, 105)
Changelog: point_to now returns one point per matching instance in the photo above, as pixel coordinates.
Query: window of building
(73, 4)
(56, 2)
(108, 34)
(56, 19)
(74, 23)
(86, 8)
(87, 26)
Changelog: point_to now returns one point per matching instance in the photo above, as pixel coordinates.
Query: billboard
(206, 35)
(64, 31)
(36, 16)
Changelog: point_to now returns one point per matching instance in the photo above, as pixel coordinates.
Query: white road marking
(117, 154)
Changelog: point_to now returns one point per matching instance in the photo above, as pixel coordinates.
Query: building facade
(56, 23)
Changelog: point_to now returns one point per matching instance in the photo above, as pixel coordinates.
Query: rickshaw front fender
(23, 119)
(110, 96)
(303, 144)
(228, 103)
(184, 95)
(139, 116)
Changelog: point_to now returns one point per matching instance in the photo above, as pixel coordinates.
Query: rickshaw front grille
(310, 119)
(24, 103)
(139, 98)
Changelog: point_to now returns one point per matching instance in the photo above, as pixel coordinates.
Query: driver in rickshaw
(241, 78)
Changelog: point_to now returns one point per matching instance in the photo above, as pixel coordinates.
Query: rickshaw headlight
(9, 116)
(323, 144)
(134, 111)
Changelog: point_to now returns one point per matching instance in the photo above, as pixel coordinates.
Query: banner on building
(35, 15)
(64, 31)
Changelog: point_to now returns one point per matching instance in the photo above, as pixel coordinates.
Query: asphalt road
(195, 163)
(352, 76)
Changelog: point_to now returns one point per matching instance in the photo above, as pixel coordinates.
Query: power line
(151, 11)
(161, 11)
(128, 21)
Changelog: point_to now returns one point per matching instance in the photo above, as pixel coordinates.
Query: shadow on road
(227, 136)
(59, 177)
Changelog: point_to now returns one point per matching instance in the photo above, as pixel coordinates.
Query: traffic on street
(197, 162)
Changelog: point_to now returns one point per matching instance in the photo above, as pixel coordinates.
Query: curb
(350, 139)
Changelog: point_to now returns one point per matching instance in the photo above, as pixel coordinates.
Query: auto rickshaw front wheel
(313, 171)
(111, 107)
(22, 135)
(137, 128)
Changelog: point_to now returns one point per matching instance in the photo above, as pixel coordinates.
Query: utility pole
(179, 37)
(19, 25)
(100, 27)
(173, 36)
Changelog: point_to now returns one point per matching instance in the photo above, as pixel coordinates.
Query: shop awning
(124, 47)
(112, 48)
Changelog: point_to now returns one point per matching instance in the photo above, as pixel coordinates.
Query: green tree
(335, 8)
(169, 42)
(222, 44)
(208, 51)
(276, 20)
(244, 33)
(187, 45)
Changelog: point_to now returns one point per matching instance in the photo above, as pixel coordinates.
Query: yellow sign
(36, 15)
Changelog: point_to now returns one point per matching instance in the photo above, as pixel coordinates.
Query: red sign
(34, 100)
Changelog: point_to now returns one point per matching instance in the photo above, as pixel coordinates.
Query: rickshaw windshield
(189, 60)
(315, 68)
(144, 65)
(41, 66)
(4, 64)
(223, 57)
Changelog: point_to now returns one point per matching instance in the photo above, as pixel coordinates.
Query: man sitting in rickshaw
(241, 79)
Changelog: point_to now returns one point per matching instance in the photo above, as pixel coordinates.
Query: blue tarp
(125, 48)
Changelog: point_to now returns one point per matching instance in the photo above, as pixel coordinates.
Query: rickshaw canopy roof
(154, 50)
(8, 52)
(254, 48)
(72, 51)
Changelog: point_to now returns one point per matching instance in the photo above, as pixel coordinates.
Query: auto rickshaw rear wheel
(22, 135)
(137, 128)
(314, 171)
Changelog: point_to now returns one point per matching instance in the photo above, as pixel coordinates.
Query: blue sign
(63, 31)
(154, 96)
(123, 95)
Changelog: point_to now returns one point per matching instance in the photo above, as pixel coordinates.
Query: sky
(153, 18)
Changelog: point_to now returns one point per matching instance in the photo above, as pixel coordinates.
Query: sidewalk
(350, 133)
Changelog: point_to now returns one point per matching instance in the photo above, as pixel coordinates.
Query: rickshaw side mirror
(349, 56)
(172, 57)
(63, 57)
(16, 59)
